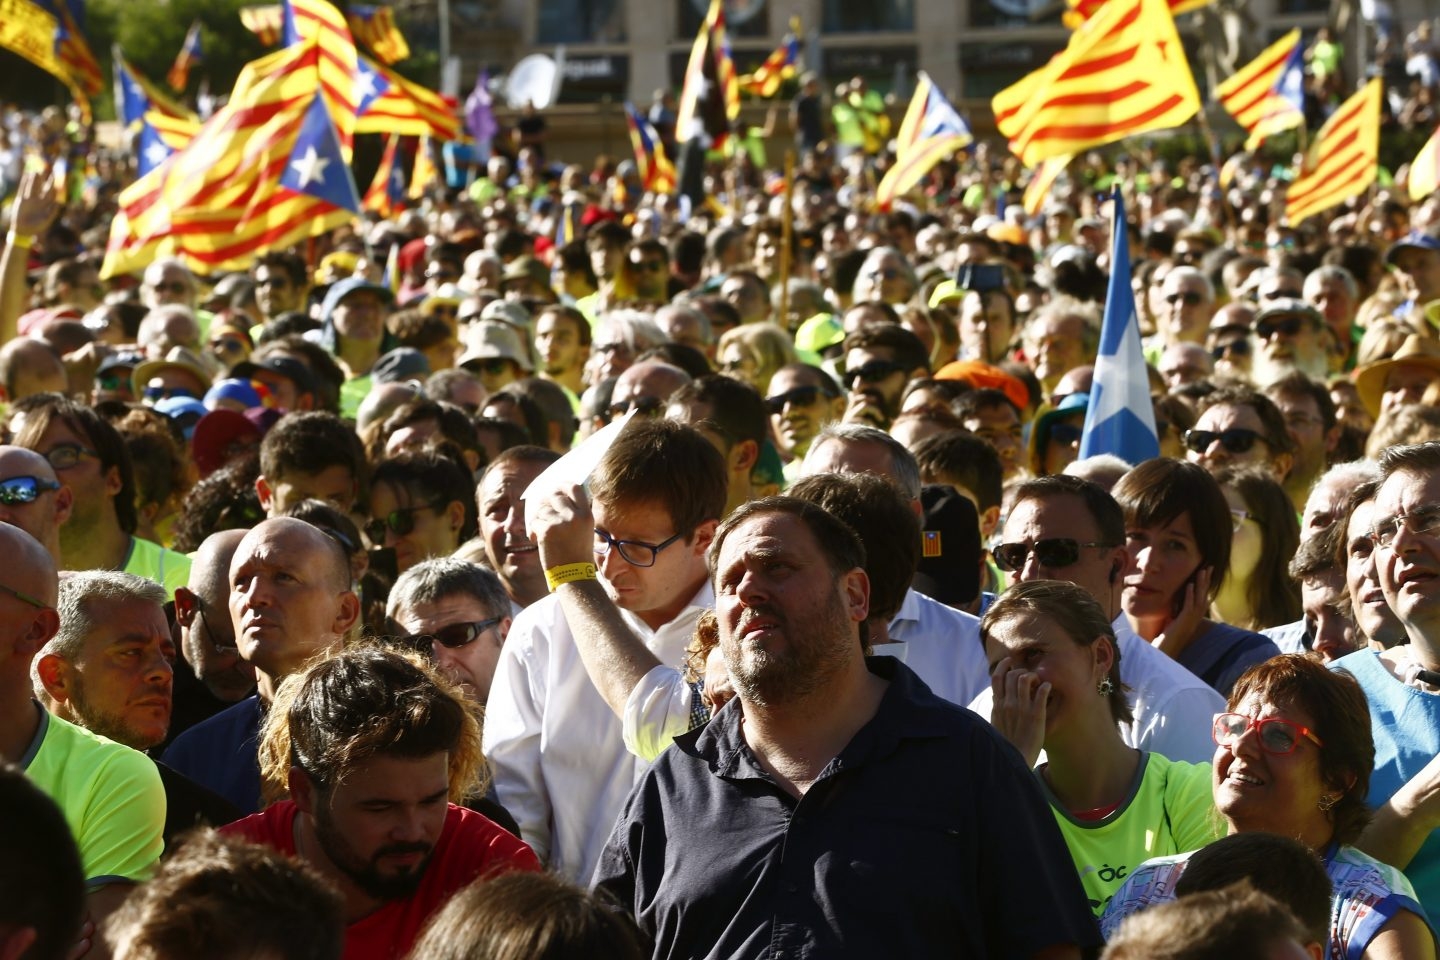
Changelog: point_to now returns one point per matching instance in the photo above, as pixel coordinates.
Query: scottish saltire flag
(1120, 419)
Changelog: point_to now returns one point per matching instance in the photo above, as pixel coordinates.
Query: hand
(82, 945)
(1018, 712)
(1181, 630)
(563, 528)
(35, 206)
(865, 408)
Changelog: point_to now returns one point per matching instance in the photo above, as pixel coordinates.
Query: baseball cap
(1416, 239)
(399, 365)
(287, 367)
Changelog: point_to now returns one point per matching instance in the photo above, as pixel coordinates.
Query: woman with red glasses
(1293, 756)
(1178, 535)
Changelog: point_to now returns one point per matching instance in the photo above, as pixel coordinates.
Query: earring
(1105, 687)
(1327, 803)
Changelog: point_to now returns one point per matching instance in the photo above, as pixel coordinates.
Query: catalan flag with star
(1123, 73)
(1267, 95)
(266, 171)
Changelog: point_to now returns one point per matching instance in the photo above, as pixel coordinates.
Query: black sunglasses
(1235, 348)
(24, 489)
(1289, 326)
(872, 372)
(1234, 440)
(453, 636)
(644, 406)
(399, 522)
(1051, 553)
(796, 397)
(1190, 298)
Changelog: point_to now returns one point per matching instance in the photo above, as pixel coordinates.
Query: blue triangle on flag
(289, 34)
(370, 85)
(316, 166)
(151, 150)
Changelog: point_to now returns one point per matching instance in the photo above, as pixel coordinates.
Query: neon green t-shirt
(353, 393)
(111, 797)
(153, 562)
(1170, 810)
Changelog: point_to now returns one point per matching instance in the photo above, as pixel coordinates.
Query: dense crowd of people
(554, 569)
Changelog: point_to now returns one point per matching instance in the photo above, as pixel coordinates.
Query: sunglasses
(644, 406)
(494, 366)
(637, 553)
(1277, 737)
(1234, 440)
(171, 288)
(63, 456)
(647, 266)
(399, 522)
(1066, 434)
(1289, 326)
(452, 636)
(871, 372)
(1190, 298)
(1235, 348)
(796, 397)
(18, 490)
(1051, 553)
(272, 281)
(1424, 520)
(889, 273)
(165, 393)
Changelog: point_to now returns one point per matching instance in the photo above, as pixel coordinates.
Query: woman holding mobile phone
(1178, 533)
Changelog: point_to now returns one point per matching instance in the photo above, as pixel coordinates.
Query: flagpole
(787, 228)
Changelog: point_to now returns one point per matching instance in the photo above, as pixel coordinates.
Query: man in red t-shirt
(378, 748)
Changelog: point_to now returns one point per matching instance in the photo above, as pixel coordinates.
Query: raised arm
(35, 207)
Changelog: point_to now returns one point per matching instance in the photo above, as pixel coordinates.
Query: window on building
(581, 21)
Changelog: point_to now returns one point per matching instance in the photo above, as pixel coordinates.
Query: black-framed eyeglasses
(872, 371)
(794, 397)
(1234, 440)
(1290, 326)
(228, 646)
(637, 553)
(452, 636)
(1277, 737)
(24, 597)
(1189, 297)
(1235, 348)
(63, 456)
(1052, 552)
(1421, 520)
(399, 522)
(644, 406)
(18, 490)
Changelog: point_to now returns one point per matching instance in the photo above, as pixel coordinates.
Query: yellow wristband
(19, 241)
(569, 573)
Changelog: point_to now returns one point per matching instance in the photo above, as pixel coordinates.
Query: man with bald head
(291, 602)
(33, 498)
(111, 795)
(209, 676)
(29, 366)
(645, 386)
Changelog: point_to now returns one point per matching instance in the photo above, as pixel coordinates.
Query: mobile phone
(981, 277)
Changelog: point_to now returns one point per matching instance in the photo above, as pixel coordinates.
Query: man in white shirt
(1065, 528)
(552, 735)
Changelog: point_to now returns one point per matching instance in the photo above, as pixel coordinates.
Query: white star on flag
(311, 168)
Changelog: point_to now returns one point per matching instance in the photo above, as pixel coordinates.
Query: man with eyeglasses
(645, 387)
(111, 796)
(1291, 338)
(801, 400)
(1065, 528)
(457, 615)
(33, 498)
(885, 276)
(291, 602)
(880, 361)
(1238, 424)
(1229, 341)
(280, 284)
(209, 675)
(626, 567)
(1402, 683)
(89, 456)
(168, 281)
(1309, 414)
(1188, 300)
(647, 270)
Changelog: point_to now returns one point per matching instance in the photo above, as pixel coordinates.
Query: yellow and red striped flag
(425, 172)
(387, 189)
(1425, 169)
(1082, 10)
(931, 131)
(710, 95)
(267, 22)
(375, 28)
(1344, 158)
(264, 172)
(1123, 72)
(1267, 95)
(386, 102)
(780, 66)
(320, 19)
(74, 52)
(35, 33)
(1041, 180)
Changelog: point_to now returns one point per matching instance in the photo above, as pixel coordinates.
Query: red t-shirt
(470, 847)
